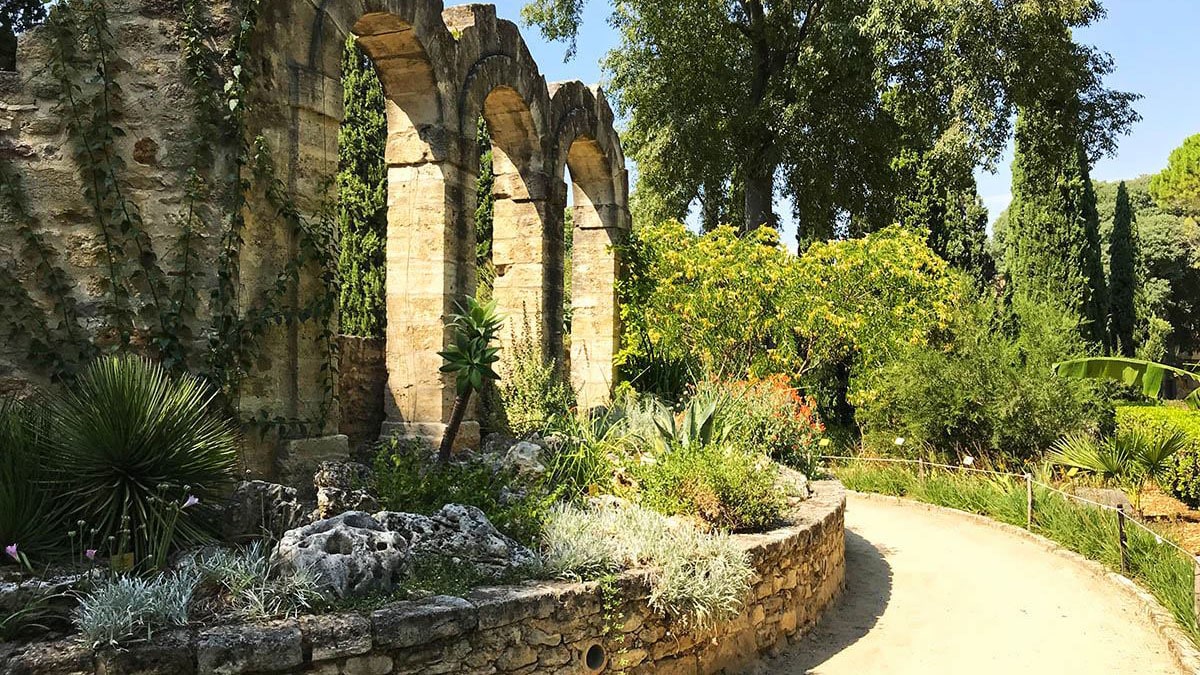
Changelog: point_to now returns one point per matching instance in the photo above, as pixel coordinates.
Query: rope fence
(1123, 519)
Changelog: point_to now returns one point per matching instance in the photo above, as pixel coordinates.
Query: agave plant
(29, 514)
(470, 358)
(1128, 459)
(133, 447)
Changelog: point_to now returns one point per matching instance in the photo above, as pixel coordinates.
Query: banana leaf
(1148, 375)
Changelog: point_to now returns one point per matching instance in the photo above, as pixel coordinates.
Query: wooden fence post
(1029, 501)
(1121, 539)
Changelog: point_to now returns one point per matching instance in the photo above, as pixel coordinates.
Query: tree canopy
(731, 104)
(1178, 186)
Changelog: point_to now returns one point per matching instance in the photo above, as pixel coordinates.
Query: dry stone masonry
(442, 69)
(537, 627)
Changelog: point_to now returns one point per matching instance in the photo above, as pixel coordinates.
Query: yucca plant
(133, 448)
(470, 358)
(29, 515)
(1129, 459)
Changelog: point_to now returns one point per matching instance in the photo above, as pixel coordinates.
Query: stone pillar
(595, 321)
(426, 275)
(521, 252)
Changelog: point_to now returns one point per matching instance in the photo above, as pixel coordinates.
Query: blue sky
(1152, 41)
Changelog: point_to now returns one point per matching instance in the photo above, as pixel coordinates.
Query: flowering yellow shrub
(735, 307)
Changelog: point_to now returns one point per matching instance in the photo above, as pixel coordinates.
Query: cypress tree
(485, 205)
(1053, 233)
(1122, 279)
(942, 201)
(362, 196)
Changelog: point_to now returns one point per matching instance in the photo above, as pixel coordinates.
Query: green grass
(1089, 531)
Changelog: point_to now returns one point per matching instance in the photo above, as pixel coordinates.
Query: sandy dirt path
(934, 593)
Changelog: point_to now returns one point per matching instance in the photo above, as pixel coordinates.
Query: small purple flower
(11, 550)
(192, 500)
(90, 554)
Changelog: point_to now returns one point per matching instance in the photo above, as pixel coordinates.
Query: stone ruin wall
(441, 68)
(538, 627)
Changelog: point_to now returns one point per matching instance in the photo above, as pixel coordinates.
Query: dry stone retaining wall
(532, 628)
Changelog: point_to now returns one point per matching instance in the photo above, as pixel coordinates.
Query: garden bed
(604, 626)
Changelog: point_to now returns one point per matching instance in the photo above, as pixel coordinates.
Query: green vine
(60, 346)
(228, 162)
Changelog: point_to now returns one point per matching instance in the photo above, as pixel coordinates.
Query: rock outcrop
(356, 554)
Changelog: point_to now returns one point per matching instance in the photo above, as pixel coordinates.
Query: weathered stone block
(409, 623)
(263, 647)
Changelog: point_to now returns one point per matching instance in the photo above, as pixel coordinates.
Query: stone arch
(441, 69)
(585, 142)
(505, 88)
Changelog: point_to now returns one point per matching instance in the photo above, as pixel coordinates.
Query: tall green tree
(1053, 233)
(362, 196)
(485, 207)
(1122, 275)
(1178, 186)
(944, 203)
(733, 104)
(16, 17)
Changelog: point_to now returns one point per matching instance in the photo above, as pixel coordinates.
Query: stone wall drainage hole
(595, 658)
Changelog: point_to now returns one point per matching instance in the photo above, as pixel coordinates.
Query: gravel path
(934, 593)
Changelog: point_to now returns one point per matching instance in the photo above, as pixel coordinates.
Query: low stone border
(537, 627)
(1184, 651)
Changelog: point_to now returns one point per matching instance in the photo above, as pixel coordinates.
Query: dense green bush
(729, 307)
(533, 392)
(990, 393)
(1183, 477)
(408, 479)
(723, 485)
(132, 448)
(29, 512)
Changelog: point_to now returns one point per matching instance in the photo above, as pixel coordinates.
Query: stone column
(595, 321)
(427, 273)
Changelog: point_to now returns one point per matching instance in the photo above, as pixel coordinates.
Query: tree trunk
(456, 418)
(760, 193)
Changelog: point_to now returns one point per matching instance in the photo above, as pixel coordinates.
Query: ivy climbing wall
(168, 176)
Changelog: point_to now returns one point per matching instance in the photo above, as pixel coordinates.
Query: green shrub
(129, 444)
(407, 479)
(727, 306)
(534, 395)
(991, 393)
(769, 416)
(29, 514)
(128, 607)
(1182, 479)
(700, 578)
(722, 484)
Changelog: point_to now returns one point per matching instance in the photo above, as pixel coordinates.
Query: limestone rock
(525, 458)
(258, 508)
(351, 554)
(464, 533)
(343, 486)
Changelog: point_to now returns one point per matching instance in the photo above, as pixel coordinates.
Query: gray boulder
(258, 508)
(343, 486)
(356, 554)
(460, 533)
(351, 554)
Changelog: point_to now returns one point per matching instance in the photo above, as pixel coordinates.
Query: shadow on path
(868, 589)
